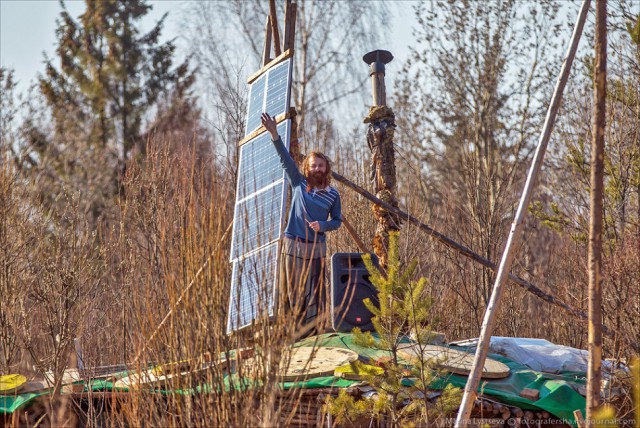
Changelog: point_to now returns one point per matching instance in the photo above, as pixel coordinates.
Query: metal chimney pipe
(377, 60)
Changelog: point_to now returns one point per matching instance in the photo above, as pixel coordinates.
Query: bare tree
(328, 72)
(472, 100)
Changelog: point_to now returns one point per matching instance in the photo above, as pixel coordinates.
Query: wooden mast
(381, 120)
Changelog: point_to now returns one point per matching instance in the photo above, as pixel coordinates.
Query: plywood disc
(308, 362)
(453, 361)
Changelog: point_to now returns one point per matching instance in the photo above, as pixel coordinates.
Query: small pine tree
(403, 306)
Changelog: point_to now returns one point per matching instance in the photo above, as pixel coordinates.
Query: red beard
(317, 179)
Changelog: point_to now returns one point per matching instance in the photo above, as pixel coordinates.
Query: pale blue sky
(27, 29)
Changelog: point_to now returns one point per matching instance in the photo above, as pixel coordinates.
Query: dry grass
(112, 285)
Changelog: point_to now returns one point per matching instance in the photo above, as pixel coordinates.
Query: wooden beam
(274, 26)
(292, 25)
(287, 25)
(284, 55)
(262, 129)
(266, 50)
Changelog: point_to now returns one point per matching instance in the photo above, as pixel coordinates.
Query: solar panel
(253, 287)
(260, 194)
(257, 228)
(258, 220)
(275, 100)
(259, 164)
(260, 202)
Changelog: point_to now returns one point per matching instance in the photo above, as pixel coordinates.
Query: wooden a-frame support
(272, 32)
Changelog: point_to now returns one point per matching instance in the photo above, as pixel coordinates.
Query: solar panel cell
(258, 220)
(276, 99)
(256, 104)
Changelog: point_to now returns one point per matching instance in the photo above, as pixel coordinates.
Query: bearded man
(315, 209)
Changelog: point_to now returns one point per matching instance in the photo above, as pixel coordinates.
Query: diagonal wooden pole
(488, 323)
(467, 252)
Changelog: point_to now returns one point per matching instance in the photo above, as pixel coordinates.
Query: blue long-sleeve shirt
(321, 205)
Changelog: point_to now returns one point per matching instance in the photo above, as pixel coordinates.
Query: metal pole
(470, 390)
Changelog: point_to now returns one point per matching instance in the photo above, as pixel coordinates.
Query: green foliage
(633, 28)
(402, 390)
(111, 79)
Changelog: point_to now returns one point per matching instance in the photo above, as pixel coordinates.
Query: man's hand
(315, 225)
(270, 125)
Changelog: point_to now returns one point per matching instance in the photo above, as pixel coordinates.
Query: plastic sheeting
(537, 354)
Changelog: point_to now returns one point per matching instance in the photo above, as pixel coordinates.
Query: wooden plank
(452, 360)
(262, 129)
(277, 60)
(309, 362)
(579, 418)
(274, 26)
(266, 50)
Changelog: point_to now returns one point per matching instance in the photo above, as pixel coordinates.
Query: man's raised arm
(288, 164)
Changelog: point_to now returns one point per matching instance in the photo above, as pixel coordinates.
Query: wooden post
(381, 121)
(470, 390)
(595, 220)
(292, 25)
(274, 26)
(287, 25)
(266, 50)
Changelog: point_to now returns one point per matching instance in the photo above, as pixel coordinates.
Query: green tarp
(557, 392)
